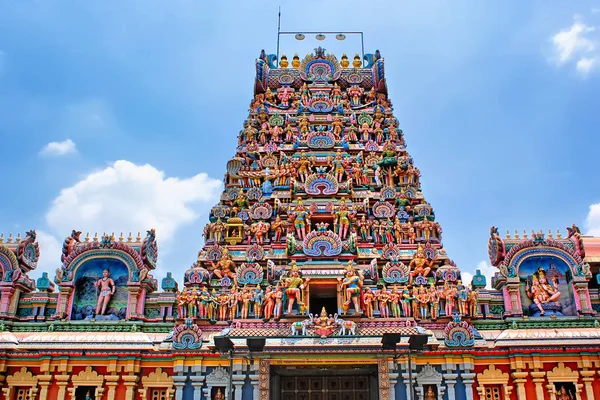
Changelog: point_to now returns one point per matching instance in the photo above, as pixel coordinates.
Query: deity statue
(219, 395)
(351, 286)
(434, 302)
(204, 299)
(192, 303)
(423, 299)
(449, 293)
(430, 394)
(212, 306)
(107, 289)
(342, 219)
(369, 298)
(540, 291)
(258, 299)
(295, 287)
(337, 165)
(419, 265)
(406, 299)
(415, 302)
(563, 394)
(218, 228)
(395, 296)
(472, 302)
(269, 302)
(301, 217)
(384, 298)
(225, 267)
(461, 298)
(336, 94)
(324, 324)
(278, 309)
(222, 301)
(182, 303)
(304, 166)
(247, 297)
(260, 229)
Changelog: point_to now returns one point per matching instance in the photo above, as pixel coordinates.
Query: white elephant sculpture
(347, 327)
(299, 327)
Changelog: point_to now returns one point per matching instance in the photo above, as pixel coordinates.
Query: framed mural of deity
(96, 281)
(546, 288)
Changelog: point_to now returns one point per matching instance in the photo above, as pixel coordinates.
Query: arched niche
(87, 381)
(8, 263)
(562, 374)
(22, 380)
(428, 378)
(157, 385)
(87, 272)
(547, 271)
(493, 378)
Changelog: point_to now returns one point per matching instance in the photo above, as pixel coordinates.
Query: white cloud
(585, 65)
(126, 197)
(467, 277)
(50, 251)
(592, 221)
(578, 42)
(59, 148)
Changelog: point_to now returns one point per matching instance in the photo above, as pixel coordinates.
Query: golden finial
(87, 237)
(95, 236)
(121, 238)
(507, 234)
(558, 234)
(344, 63)
(283, 63)
(138, 238)
(2, 237)
(18, 237)
(549, 234)
(10, 238)
(525, 234)
(356, 63)
(296, 61)
(129, 238)
(516, 234)
(112, 236)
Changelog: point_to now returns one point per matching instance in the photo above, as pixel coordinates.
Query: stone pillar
(130, 385)
(552, 391)
(468, 379)
(238, 383)
(197, 383)
(255, 387)
(450, 380)
(393, 382)
(588, 377)
(62, 381)
(514, 297)
(583, 295)
(206, 393)
(111, 383)
(62, 303)
(6, 293)
(132, 303)
(519, 378)
(179, 382)
(538, 380)
(43, 382)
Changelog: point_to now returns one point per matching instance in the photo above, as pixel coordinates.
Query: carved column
(134, 291)
(588, 377)
(393, 382)
(519, 378)
(468, 379)
(62, 381)
(238, 383)
(552, 390)
(197, 383)
(6, 293)
(450, 380)
(538, 379)
(111, 383)
(583, 296)
(514, 297)
(255, 387)
(130, 385)
(63, 301)
(264, 379)
(43, 382)
(179, 382)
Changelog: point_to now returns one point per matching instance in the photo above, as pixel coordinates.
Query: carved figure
(294, 287)
(542, 292)
(278, 309)
(419, 265)
(369, 298)
(301, 217)
(225, 267)
(107, 289)
(352, 287)
(472, 302)
(269, 302)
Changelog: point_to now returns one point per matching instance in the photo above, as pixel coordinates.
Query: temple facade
(324, 251)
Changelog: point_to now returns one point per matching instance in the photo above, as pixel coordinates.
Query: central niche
(323, 295)
(86, 293)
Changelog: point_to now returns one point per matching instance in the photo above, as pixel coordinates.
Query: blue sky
(120, 116)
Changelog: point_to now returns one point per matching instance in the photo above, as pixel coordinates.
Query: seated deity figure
(419, 265)
(225, 266)
(540, 291)
(107, 289)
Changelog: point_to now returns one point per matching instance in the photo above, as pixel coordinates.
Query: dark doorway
(323, 296)
(565, 390)
(326, 383)
(85, 393)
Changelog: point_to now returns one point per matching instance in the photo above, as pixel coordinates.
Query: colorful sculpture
(351, 286)
(295, 288)
(107, 289)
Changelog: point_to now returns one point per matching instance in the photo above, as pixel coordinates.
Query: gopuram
(322, 277)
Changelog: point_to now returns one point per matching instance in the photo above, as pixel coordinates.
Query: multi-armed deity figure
(225, 267)
(540, 291)
(342, 219)
(351, 286)
(295, 287)
(301, 217)
(107, 289)
(419, 265)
